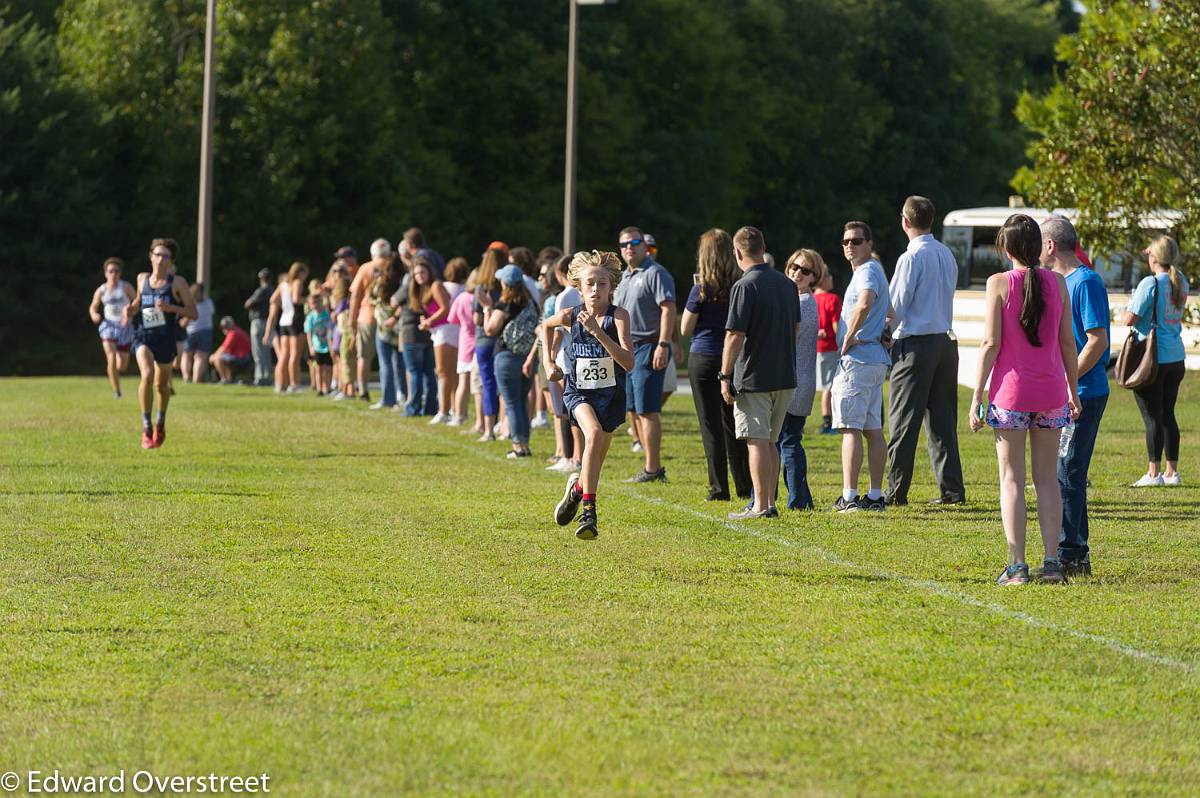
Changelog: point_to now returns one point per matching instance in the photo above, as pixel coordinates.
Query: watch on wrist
(664, 343)
(724, 377)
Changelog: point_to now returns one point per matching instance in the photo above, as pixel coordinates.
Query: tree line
(339, 121)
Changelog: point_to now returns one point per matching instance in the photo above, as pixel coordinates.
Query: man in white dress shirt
(924, 360)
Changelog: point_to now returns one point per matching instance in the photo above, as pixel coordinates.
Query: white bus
(970, 234)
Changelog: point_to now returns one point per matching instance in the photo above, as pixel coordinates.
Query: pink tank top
(1025, 377)
(432, 308)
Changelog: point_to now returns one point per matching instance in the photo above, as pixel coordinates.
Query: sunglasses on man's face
(631, 243)
(852, 242)
(160, 254)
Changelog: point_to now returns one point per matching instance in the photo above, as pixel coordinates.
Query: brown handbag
(1137, 365)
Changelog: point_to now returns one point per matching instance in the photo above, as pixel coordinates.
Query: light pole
(572, 119)
(204, 223)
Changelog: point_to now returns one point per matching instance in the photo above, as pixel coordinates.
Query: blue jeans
(422, 382)
(514, 387)
(1072, 480)
(485, 358)
(391, 372)
(794, 463)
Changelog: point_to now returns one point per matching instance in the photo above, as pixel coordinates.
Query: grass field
(360, 604)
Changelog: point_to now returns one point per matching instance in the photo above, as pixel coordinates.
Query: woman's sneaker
(844, 505)
(438, 418)
(564, 513)
(1172, 481)
(1016, 574)
(1148, 481)
(1052, 573)
(587, 529)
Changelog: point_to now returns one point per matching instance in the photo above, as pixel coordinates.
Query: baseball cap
(511, 275)
(346, 252)
(649, 239)
(498, 245)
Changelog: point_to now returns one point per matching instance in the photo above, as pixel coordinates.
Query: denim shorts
(199, 341)
(644, 385)
(999, 418)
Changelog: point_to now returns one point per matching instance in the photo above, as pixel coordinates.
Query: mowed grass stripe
(366, 629)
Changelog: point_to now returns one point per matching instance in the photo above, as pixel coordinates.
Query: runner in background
(108, 312)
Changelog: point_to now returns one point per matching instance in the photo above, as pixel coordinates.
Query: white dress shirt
(922, 288)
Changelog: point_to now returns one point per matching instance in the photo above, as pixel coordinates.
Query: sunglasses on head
(633, 242)
(856, 241)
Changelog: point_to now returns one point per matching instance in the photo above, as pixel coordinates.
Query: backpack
(520, 334)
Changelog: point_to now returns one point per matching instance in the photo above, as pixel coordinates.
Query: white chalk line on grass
(926, 585)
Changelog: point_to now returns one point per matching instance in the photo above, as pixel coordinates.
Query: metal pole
(204, 225)
(569, 193)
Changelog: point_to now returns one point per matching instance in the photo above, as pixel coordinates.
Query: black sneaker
(649, 476)
(842, 505)
(1077, 567)
(564, 513)
(872, 505)
(587, 529)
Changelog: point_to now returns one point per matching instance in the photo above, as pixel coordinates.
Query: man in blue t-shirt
(1090, 322)
(857, 392)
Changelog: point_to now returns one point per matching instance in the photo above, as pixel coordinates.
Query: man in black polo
(258, 306)
(760, 337)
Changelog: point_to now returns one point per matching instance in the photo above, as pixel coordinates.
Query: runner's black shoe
(564, 513)
(587, 529)
(649, 476)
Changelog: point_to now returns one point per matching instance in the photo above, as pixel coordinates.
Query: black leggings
(1157, 403)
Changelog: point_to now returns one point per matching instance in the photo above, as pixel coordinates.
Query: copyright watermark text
(141, 782)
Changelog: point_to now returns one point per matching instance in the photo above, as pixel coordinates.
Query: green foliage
(342, 120)
(57, 211)
(1120, 130)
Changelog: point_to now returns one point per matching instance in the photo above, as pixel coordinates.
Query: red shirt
(236, 343)
(829, 309)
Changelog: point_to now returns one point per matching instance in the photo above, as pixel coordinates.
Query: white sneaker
(1148, 481)
(438, 418)
(637, 446)
(539, 421)
(1172, 481)
(378, 405)
(454, 421)
(339, 396)
(563, 464)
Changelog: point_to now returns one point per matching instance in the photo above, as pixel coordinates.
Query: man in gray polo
(760, 338)
(647, 293)
(924, 360)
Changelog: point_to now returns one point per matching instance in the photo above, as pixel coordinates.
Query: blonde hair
(314, 286)
(810, 258)
(295, 271)
(716, 266)
(582, 262)
(1166, 252)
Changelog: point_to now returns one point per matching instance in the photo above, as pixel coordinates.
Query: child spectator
(317, 326)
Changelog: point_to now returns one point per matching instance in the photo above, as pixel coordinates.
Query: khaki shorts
(760, 414)
(857, 395)
(366, 343)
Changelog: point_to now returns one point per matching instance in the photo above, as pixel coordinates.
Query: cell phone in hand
(981, 413)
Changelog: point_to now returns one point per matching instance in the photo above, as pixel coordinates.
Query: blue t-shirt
(867, 277)
(1089, 311)
(318, 325)
(1170, 317)
(709, 335)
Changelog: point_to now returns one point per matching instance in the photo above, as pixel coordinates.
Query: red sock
(589, 497)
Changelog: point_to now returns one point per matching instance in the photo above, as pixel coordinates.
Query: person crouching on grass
(597, 358)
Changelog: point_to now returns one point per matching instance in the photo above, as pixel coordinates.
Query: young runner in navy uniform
(162, 297)
(596, 360)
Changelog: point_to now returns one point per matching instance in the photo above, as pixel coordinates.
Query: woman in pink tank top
(1029, 352)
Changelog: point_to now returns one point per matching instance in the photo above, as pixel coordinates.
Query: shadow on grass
(355, 455)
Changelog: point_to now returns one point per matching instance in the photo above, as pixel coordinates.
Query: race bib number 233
(595, 372)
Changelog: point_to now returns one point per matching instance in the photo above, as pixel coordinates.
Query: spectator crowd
(580, 343)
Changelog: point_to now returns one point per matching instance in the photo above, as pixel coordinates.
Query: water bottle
(1064, 439)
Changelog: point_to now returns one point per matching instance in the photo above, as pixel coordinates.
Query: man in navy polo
(647, 293)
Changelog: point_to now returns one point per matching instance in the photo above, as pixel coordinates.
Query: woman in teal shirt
(1165, 290)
